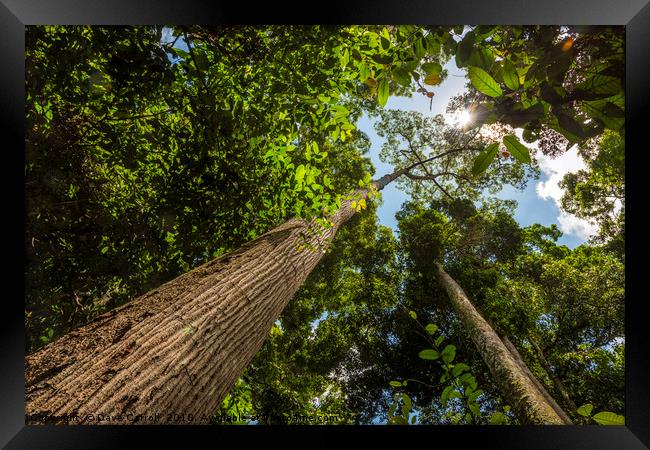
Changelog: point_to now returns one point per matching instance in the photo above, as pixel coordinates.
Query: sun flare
(464, 117)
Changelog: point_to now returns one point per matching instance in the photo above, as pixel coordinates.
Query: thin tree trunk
(554, 378)
(519, 391)
(549, 398)
(180, 348)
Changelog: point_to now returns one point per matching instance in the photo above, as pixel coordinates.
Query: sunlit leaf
(483, 82)
(485, 158)
(517, 149)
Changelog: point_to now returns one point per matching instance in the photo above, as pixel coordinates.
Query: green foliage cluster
(554, 82)
(458, 384)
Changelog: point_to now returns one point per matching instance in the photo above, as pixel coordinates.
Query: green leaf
(468, 380)
(498, 418)
(382, 92)
(431, 328)
(458, 369)
(418, 48)
(602, 84)
(485, 158)
(439, 340)
(474, 395)
(382, 59)
(413, 314)
(473, 407)
(432, 68)
(510, 76)
(585, 410)
(399, 420)
(448, 353)
(609, 418)
(569, 124)
(465, 48)
(432, 79)
(364, 71)
(517, 149)
(483, 82)
(429, 354)
(408, 404)
(300, 172)
(402, 76)
(445, 395)
(613, 110)
(395, 383)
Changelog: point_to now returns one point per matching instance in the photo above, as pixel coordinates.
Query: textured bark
(549, 398)
(520, 392)
(179, 348)
(554, 378)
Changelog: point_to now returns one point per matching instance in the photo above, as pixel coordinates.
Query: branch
(203, 81)
(430, 178)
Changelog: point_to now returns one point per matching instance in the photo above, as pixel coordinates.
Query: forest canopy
(152, 151)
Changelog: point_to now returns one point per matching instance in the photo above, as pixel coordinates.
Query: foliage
(598, 192)
(561, 85)
(603, 417)
(458, 384)
(444, 159)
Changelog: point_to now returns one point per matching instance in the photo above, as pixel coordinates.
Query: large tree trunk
(179, 348)
(520, 392)
(554, 378)
(549, 398)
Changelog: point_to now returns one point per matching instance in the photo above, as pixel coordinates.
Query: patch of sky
(539, 202)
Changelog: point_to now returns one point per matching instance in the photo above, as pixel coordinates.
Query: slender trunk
(179, 348)
(549, 398)
(519, 391)
(554, 378)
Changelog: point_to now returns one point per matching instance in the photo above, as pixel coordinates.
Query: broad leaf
(432, 68)
(459, 368)
(483, 82)
(429, 354)
(402, 76)
(483, 160)
(445, 395)
(609, 418)
(448, 353)
(585, 410)
(431, 328)
(498, 418)
(432, 79)
(510, 76)
(517, 149)
(382, 92)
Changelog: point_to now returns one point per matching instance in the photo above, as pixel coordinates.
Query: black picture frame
(15, 14)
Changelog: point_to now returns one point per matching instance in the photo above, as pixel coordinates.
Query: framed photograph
(377, 220)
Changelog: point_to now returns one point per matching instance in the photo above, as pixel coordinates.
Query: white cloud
(555, 169)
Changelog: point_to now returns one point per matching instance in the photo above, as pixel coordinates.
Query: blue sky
(538, 203)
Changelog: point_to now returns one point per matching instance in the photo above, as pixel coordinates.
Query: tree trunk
(554, 378)
(549, 398)
(520, 392)
(179, 348)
